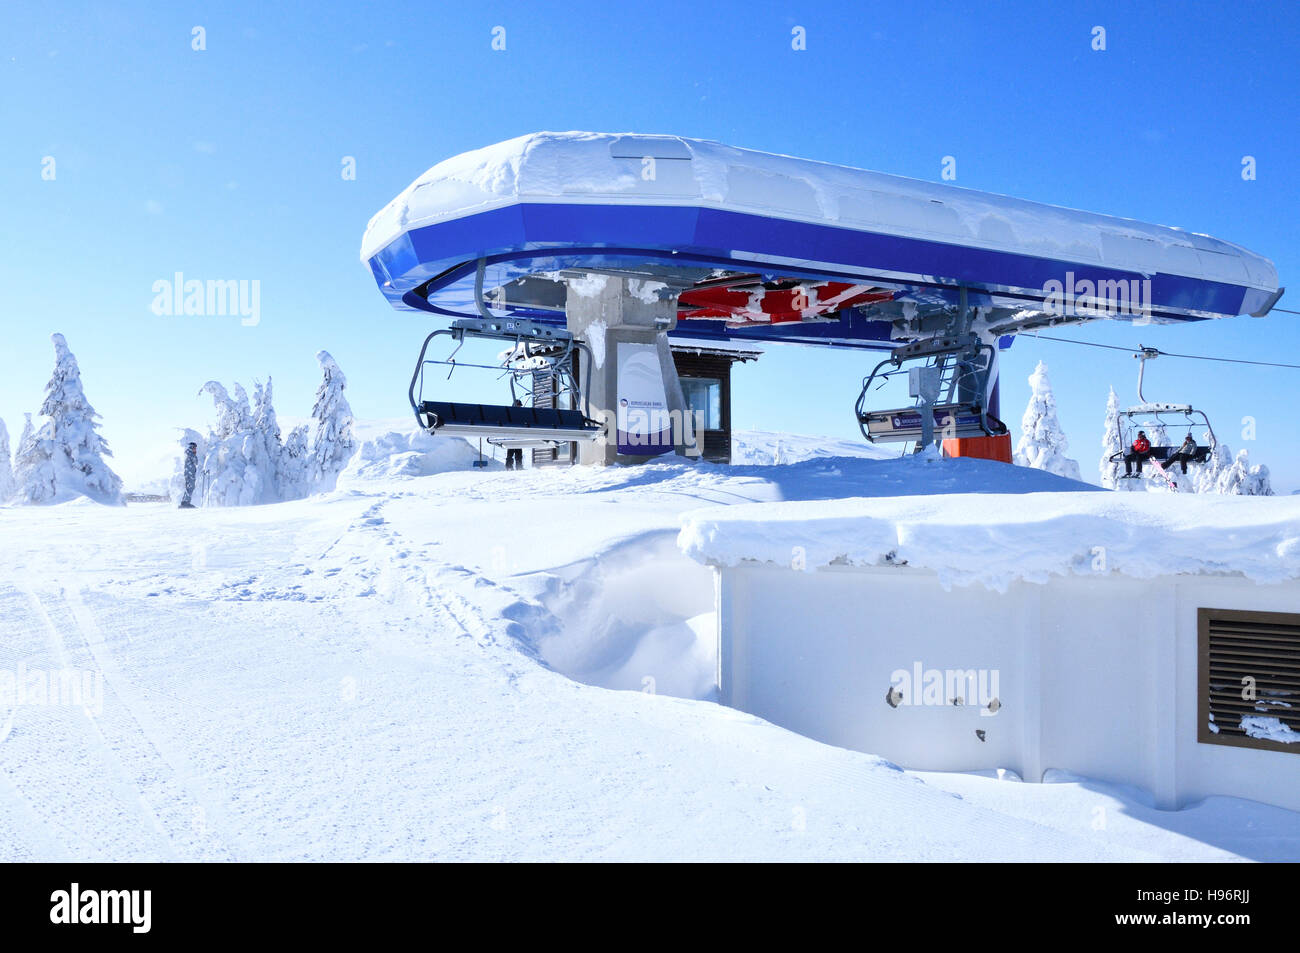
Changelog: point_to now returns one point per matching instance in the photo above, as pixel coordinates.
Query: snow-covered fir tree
(262, 446)
(295, 465)
(334, 443)
(1042, 442)
(264, 419)
(7, 485)
(33, 467)
(1112, 442)
(65, 458)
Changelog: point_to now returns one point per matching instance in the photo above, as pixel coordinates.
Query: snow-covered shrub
(1042, 442)
(334, 443)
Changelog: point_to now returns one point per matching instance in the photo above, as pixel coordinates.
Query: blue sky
(225, 163)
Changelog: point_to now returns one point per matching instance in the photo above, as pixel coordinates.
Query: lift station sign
(644, 424)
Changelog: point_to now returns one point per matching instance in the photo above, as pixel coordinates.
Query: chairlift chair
(950, 390)
(536, 348)
(1150, 415)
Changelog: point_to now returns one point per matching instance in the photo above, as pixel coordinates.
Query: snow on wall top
(996, 539)
(607, 168)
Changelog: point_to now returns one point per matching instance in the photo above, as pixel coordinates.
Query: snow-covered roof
(609, 168)
(997, 539)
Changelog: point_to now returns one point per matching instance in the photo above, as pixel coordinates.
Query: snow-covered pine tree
(72, 434)
(266, 450)
(1042, 442)
(1112, 442)
(7, 485)
(264, 420)
(334, 444)
(33, 467)
(295, 465)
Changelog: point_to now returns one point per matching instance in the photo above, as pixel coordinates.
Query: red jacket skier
(1141, 450)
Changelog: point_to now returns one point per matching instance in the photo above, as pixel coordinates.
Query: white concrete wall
(1096, 674)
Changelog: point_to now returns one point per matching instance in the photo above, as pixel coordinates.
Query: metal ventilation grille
(1249, 679)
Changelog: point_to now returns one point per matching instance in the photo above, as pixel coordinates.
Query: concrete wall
(1095, 674)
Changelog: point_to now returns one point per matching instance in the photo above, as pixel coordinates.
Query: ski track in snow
(361, 676)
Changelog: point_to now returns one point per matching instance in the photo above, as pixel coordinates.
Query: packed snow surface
(419, 664)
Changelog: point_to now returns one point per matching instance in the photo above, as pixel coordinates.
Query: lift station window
(704, 396)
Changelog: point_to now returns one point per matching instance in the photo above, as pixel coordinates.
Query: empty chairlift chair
(536, 347)
(950, 390)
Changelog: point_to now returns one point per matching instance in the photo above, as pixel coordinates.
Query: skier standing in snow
(1141, 450)
(191, 471)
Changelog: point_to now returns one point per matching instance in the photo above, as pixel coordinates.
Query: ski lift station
(600, 263)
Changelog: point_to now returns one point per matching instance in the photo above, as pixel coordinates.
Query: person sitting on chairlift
(515, 455)
(1185, 453)
(1141, 450)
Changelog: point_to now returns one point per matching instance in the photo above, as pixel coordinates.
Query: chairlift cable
(1194, 357)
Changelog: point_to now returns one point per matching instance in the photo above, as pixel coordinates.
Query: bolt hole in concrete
(637, 617)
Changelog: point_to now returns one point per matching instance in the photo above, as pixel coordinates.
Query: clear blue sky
(226, 164)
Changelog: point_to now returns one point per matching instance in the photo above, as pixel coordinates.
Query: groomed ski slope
(418, 668)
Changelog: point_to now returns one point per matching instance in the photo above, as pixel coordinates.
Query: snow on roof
(996, 539)
(577, 167)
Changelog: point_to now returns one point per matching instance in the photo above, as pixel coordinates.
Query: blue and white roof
(699, 215)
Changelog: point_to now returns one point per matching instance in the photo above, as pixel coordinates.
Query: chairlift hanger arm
(416, 378)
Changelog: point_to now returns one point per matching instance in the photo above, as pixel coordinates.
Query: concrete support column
(632, 383)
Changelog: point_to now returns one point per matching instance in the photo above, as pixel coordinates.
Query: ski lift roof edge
(673, 209)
